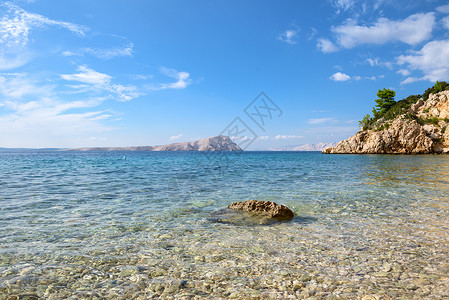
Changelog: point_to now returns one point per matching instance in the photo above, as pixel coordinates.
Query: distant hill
(306, 147)
(314, 147)
(30, 149)
(215, 143)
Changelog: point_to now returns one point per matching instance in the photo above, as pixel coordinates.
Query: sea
(144, 225)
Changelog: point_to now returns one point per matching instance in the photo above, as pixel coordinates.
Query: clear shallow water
(136, 224)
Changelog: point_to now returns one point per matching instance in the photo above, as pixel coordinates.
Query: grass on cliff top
(400, 107)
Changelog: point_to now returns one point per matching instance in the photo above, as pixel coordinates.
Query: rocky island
(415, 125)
(215, 143)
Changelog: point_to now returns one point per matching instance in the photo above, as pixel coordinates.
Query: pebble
(290, 260)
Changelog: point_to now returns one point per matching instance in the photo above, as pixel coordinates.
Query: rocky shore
(421, 130)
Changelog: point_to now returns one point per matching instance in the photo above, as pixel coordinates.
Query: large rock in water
(264, 208)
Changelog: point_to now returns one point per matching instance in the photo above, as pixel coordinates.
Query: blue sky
(119, 73)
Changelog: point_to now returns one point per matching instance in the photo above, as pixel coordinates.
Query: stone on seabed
(264, 208)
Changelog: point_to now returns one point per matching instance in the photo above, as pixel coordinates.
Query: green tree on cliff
(366, 122)
(385, 101)
(438, 87)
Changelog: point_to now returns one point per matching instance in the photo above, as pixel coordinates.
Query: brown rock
(403, 135)
(264, 208)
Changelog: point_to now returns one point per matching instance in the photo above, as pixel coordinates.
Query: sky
(269, 74)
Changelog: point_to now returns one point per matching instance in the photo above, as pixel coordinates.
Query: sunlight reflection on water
(93, 223)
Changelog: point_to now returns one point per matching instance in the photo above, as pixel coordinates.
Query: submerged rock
(239, 218)
(268, 209)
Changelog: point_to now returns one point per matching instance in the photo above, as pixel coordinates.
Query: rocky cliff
(421, 130)
(215, 143)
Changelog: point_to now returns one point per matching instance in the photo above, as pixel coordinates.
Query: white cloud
(369, 77)
(17, 86)
(412, 30)
(10, 59)
(88, 76)
(108, 53)
(263, 137)
(71, 53)
(432, 60)
(326, 46)
(101, 82)
(124, 92)
(357, 7)
(15, 28)
(343, 5)
(410, 80)
(373, 62)
(287, 137)
(288, 36)
(36, 117)
(377, 62)
(320, 120)
(240, 138)
(445, 22)
(46, 126)
(443, 9)
(112, 52)
(344, 77)
(142, 77)
(404, 72)
(182, 78)
(340, 77)
(176, 137)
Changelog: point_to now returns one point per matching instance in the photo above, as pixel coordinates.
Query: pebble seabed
(365, 228)
(296, 259)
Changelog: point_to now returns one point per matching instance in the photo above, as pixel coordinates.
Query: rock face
(215, 143)
(404, 135)
(264, 208)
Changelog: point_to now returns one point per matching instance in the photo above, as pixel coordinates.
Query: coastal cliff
(420, 128)
(215, 143)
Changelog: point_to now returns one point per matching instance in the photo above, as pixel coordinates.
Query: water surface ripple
(135, 225)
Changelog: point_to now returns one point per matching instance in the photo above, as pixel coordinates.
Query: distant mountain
(314, 147)
(215, 143)
(306, 147)
(30, 149)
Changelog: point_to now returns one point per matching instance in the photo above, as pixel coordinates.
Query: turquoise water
(137, 224)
